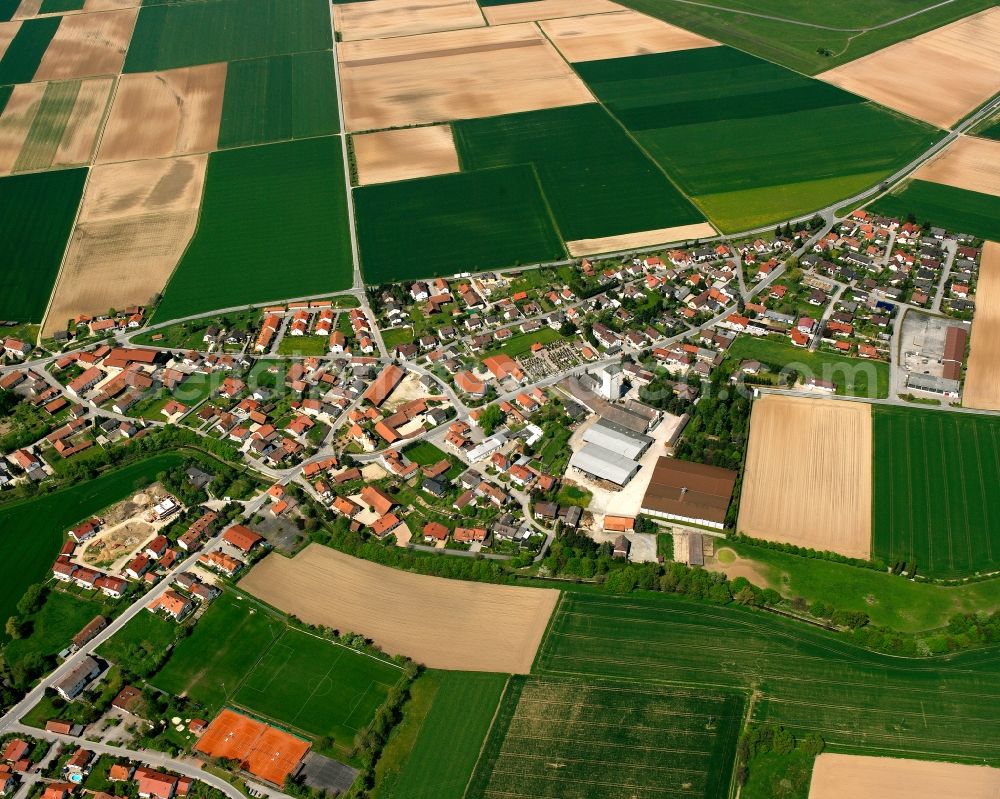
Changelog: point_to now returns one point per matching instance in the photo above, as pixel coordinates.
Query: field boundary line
(486, 738)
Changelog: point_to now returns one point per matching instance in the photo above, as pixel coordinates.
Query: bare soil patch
(982, 378)
(808, 476)
(77, 145)
(967, 163)
(547, 9)
(8, 30)
(135, 222)
(438, 77)
(938, 77)
(376, 19)
(15, 122)
(114, 544)
(627, 33)
(158, 114)
(860, 777)
(88, 45)
(27, 9)
(389, 155)
(644, 238)
(448, 624)
(737, 567)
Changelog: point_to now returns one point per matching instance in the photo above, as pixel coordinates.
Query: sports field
(32, 531)
(435, 748)
(243, 653)
(807, 680)
(844, 30)
(596, 180)
(36, 214)
(600, 739)
(21, 59)
(944, 206)
(935, 500)
(273, 224)
(747, 139)
(188, 33)
(463, 222)
(279, 98)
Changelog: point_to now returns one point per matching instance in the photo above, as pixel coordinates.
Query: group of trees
(773, 739)
(719, 428)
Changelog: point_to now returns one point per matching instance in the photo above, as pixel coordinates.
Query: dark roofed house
(622, 547)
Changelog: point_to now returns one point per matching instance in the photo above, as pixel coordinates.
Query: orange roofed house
(243, 538)
(383, 385)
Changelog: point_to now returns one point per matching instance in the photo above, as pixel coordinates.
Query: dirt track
(982, 377)
(546, 9)
(938, 77)
(627, 33)
(389, 155)
(446, 624)
(376, 19)
(644, 238)
(808, 476)
(439, 77)
(967, 163)
(88, 45)
(157, 114)
(859, 777)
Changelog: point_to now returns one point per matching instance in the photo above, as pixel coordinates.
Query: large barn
(689, 492)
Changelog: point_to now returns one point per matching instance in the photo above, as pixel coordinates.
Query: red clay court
(262, 750)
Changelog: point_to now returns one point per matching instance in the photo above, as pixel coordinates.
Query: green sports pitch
(935, 503)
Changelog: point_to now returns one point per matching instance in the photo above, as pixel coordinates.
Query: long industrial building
(618, 439)
(604, 464)
(689, 492)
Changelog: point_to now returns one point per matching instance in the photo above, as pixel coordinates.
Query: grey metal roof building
(618, 439)
(604, 464)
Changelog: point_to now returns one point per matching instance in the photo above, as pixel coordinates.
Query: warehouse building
(600, 463)
(689, 492)
(616, 438)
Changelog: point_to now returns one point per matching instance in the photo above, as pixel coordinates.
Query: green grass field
(7, 9)
(435, 749)
(520, 344)
(935, 501)
(273, 224)
(853, 376)
(184, 34)
(317, 686)
(464, 222)
(53, 627)
(733, 129)
(36, 217)
(141, 642)
(595, 178)
(795, 45)
(944, 206)
(601, 739)
(25, 52)
(59, 6)
(279, 98)
(32, 531)
(48, 126)
(806, 679)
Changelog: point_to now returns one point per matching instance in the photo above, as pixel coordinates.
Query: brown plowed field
(8, 30)
(982, 378)
(446, 624)
(808, 474)
(860, 777)
(547, 9)
(158, 114)
(376, 19)
(439, 77)
(15, 122)
(627, 33)
(135, 222)
(77, 146)
(967, 163)
(644, 238)
(405, 153)
(88, 45)
(938, 77)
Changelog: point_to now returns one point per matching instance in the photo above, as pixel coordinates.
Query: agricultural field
(854, 377)
(24, 53)
(278, 204)
(609, 740)
(464, 222)
(935, 504)
(36, 214)
(444, 726)
(183, 34)
(317, 686)
(595, 179)
(982, 376)
(843, 30)
(945, 206)
(279, 98)
(88, 45)
(806, 679)
(32, 531)
(967, 163)
(891, 778)
(748, 140)
(820, 497)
